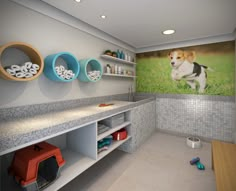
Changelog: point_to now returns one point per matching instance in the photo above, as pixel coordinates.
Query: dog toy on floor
(200, 166)
(196, 161)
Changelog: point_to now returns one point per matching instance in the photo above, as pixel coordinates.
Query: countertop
(18, 133)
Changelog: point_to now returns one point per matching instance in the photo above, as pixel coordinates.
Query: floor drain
(194, 142)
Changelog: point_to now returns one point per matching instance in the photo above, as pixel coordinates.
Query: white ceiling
(140, 23)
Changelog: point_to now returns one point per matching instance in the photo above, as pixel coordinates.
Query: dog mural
(184, 68)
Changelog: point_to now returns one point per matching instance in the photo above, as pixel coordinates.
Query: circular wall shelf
(50, 68)
(91, 70)
(33, 54)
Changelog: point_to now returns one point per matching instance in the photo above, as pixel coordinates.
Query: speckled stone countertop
(18, 133)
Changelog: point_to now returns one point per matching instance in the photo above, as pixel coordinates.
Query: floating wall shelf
(71, 62)
(87, 66)
(119, 75)
(117, 59)
(33, 54)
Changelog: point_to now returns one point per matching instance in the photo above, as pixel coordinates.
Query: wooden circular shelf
(31, 52)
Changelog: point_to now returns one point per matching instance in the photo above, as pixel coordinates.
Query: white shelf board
(76, 163)
(117, 59)
(112, 130)
(112, 147)
(118, 75)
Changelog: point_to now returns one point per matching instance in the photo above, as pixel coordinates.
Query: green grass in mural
(154, 76)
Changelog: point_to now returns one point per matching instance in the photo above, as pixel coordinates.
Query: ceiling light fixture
(103, 16)
(169, 31)
(78, 1)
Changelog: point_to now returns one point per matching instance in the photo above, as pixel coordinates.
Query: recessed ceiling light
(103, 16)
(78, 1)
(169, 31)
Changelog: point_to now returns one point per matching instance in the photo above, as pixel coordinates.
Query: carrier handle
(37, 148)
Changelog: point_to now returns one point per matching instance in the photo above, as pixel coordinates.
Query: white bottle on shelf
(119, 70)
(116, 69)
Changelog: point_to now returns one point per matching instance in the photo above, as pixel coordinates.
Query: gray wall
(49, 36)
(211, 119)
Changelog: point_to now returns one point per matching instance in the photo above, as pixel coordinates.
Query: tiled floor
(161, 164)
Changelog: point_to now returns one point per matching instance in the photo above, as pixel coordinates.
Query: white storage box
(114, 120)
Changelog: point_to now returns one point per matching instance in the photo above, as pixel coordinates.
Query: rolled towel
(57, 68)
(62, 76)
(65, 72)
(11, 72)
(32, 71)
(70, 71)
(24, 69)
(15, 67)
(35, 66)
(28, 75)
(59, 72)
(28, 65)
(67, 77)
(20, 75)
(62, 68)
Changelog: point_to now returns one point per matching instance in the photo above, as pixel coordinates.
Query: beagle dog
(184, 67)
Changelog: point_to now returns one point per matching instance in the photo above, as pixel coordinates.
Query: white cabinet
(79, 149)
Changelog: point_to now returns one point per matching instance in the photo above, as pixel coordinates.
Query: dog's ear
(190, 55)
(169, 54)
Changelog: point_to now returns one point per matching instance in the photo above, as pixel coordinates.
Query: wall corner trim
(56, 14)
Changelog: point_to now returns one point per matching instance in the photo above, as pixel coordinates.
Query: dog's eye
(178, 57)
(171, 57)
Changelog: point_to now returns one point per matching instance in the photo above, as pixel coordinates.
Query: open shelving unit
(130, 65)
(117, 59)
(79, 149)
(112, 147)
(119, 75)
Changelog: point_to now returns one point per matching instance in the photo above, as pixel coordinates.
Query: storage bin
(114, 120)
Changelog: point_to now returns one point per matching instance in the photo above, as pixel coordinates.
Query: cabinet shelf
(112, 130)
(117, 59)
(112, 147)
(119, 75)
(76, 163)
(79, 149)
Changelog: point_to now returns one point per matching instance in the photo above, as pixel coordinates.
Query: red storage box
(120, 135)
(37, 165)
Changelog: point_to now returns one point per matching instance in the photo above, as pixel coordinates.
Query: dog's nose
(172, 63)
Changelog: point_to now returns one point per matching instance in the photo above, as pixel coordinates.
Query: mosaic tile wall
(205, 118)
(143, 125)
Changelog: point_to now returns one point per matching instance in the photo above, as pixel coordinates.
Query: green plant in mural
(154, 75)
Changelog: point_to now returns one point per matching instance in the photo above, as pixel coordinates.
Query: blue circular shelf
(93, 64)
(50, 64)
